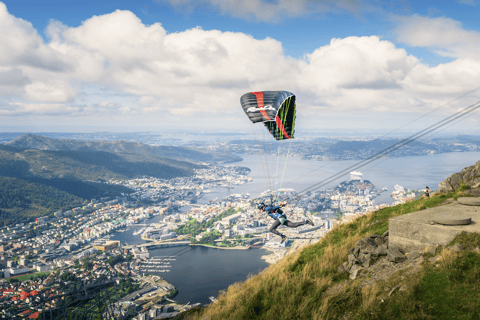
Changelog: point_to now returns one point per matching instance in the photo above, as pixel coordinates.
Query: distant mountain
(39, 175)
(31, 141)
(34, 181)
(88, 165)
(462, 139)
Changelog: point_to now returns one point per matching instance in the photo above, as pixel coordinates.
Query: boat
(138, 232)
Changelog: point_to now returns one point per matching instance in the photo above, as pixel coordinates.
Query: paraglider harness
(282, 218)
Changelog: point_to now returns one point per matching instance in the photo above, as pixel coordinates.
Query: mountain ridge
(31, 141)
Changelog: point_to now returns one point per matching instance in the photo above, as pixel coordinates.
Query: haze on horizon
(168, 64)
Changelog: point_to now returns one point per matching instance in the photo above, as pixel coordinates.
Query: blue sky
(156, 65)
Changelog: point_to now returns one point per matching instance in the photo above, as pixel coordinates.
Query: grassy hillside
(308, 285)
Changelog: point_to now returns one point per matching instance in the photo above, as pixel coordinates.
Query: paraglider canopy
(276, 109)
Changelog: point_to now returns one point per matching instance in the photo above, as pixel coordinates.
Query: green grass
(453, 294)
(463, 187)
(31, 275)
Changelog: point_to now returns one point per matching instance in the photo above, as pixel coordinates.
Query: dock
(157, 245)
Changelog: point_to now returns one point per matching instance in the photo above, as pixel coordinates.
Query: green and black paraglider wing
(276, 109)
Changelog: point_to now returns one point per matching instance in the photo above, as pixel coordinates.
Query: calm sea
(293, 172)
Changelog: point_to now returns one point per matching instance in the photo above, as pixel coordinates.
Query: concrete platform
(414, 231)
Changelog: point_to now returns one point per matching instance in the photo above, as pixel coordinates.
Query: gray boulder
(381, 250)
(354, 272)
(394, 255)
(352, 259)
(366, 244)
(469, 175)
(413, 255)
(368, 260)
(451, 183)
(356, 251)
(379, 240)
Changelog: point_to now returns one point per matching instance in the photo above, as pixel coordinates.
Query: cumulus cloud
(197, 71)
(27, 109)
(21, 44)
(445, 36)
(27, 61)
(103, 108)
(357, 62)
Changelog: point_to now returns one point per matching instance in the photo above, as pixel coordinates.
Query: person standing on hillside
(280, 218)
(427, 192)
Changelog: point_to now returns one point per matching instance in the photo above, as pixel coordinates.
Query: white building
(18, 270)
(41, 267)
(228, 220)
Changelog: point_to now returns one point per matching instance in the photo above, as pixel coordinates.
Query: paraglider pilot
(280, 218)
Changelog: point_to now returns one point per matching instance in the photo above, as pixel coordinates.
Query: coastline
(227, 248)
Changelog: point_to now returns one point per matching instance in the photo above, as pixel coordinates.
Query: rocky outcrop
(470, 176)
(388, 264)
(367, 251)
(375, 248)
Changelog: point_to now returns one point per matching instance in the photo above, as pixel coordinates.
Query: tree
(68, 276)
(86, 264)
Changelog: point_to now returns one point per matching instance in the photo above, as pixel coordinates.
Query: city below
(43, 261)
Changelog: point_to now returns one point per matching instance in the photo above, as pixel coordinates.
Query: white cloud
(53, 92)
(357, 62)
(445, 36)
(21, 44)
(27, 109)
(197, 72)
(103, 109)
(27, 62)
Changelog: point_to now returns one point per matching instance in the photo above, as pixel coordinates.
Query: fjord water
(414, 172)
(201, 272)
